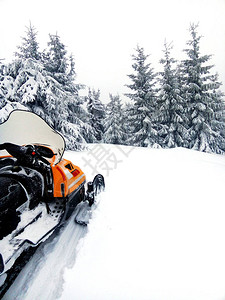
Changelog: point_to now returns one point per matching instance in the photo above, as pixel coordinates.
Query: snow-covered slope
(158, 232)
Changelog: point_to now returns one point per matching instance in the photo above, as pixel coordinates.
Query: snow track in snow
(43, 274)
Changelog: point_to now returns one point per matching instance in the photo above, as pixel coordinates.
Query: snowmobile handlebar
(28, 152)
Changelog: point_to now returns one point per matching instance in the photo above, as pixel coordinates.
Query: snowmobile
(39, 190)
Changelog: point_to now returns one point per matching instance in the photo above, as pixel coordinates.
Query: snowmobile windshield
(27, 128)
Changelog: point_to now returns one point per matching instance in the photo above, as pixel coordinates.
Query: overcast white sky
(103, 34)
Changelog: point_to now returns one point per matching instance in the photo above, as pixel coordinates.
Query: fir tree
(114, 133)
(217, 116)
(171, 105)
(6, 90)
(72, 72)
(30, 83)
(55, 59)
(78, 115)
(96, 113)
(127, 111)
(202, 98)
(29, 47)
(144, 100)
(70, 78)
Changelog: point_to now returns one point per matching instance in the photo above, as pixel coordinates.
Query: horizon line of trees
(181, 106)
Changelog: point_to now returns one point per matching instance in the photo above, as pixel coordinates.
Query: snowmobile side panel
(67, 174)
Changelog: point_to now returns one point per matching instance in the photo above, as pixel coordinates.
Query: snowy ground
(158, 232)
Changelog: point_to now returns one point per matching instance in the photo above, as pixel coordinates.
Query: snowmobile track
(32, 264)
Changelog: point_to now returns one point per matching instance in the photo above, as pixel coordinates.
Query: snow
(43, 224)
(157, 232)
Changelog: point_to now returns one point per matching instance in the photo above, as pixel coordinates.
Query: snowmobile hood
(25, 127)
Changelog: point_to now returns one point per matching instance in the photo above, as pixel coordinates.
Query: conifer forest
(181, 106)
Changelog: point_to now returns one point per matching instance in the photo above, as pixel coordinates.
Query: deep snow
(157, 233)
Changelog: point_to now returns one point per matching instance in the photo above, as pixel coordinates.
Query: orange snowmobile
(39, 190)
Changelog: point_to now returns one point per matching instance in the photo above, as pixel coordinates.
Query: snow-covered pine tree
(127, 111)
(217, 118)
(6, 103)
(114, 133)
(141, 118)
(13, 78)
(96, 111)
(30, 46)
(202, 98)
(71, 76)
(27, 81)
(55, 59)
(79, 117)
(171, 117)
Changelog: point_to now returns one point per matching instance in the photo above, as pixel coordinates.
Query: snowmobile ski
(85, 208)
